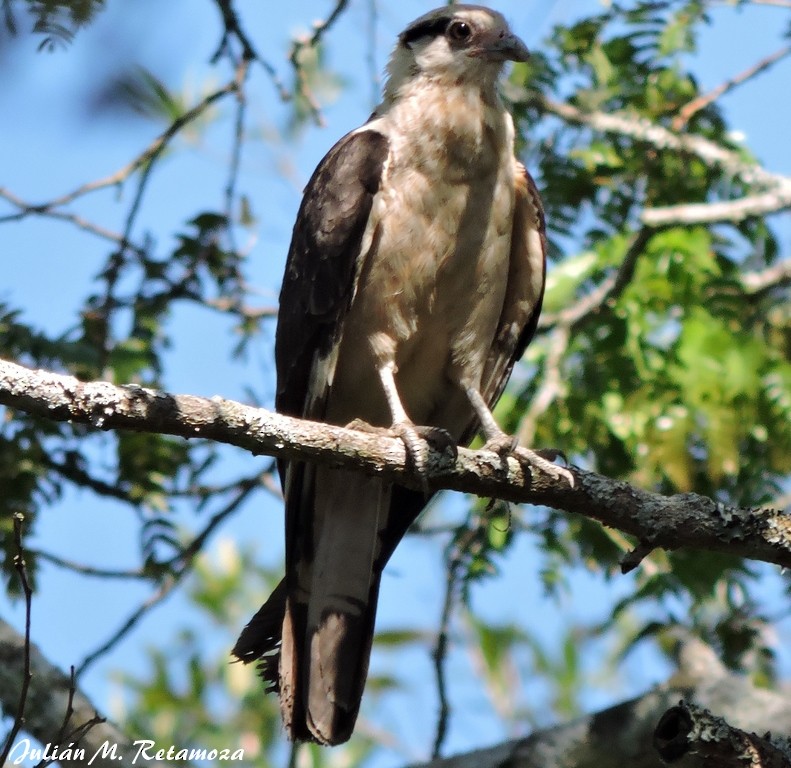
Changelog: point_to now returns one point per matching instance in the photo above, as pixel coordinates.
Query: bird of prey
(413, 283)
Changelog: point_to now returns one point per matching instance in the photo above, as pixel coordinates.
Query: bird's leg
(402, 425)
(503, 444)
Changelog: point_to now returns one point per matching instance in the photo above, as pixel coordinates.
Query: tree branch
(695, 738)
(683, 520)
(625, 733)
(701, 102)
(766, 279)
(50, 698)
(773, 191)
(778, 199)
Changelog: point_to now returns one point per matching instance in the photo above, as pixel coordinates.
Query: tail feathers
(332, 662)
(313, 637)
(260, 639)
(339, 652)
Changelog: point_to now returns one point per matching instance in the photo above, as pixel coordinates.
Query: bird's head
(455, 43)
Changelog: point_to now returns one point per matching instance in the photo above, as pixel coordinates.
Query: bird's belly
(428, 301)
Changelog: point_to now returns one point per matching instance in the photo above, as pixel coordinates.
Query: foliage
(676, 378)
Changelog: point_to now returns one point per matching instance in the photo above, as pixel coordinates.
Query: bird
(413, 284)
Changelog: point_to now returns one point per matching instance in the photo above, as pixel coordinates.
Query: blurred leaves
(678, 379)
(57, 21)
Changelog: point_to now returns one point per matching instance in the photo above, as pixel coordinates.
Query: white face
(457, 42)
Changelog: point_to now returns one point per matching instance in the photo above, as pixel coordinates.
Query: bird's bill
(501, 46)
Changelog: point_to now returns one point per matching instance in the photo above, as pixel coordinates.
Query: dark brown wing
(323, 261)
(525, 292)
(318, 286)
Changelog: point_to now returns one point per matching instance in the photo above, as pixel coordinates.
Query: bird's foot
(543, 460)
(505, 445)
(414, 438)
(439, 439)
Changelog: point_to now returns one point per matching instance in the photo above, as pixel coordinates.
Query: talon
(439, 439)
(502, 444)
(535, 459)
(415, 448)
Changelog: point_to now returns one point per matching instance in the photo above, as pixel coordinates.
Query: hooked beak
(501, 46)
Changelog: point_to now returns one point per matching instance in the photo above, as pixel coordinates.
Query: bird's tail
(325, 608)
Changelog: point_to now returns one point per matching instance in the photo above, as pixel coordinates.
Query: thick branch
(683, 520)
(659, 137)
(779, 199)
(625, 734)
(772, 191)
(693, 737)
(48, 705)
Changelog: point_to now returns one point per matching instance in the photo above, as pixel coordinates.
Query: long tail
(323, 613)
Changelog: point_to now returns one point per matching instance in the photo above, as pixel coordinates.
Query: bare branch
(561, 324)
(179, 567)
(683, 520)
(773, 191)
(25, 209)
(779, 199)
(457, 557)
(606, 293)
(766, 279)
(150, 153)
(623, 734)
(701, 102)
(24, 688)
(693, 737)
(776, 3)
(89, 570)
(662, 138)
(50, 698)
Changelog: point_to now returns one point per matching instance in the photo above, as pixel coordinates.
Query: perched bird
(414, 282)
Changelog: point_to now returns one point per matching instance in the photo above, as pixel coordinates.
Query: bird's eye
(459, 31)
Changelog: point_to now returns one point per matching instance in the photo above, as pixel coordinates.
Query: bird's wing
(525, 291)
(329, 244)
(324, 260)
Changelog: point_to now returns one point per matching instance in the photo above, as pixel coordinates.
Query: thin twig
(701, 102)
(370, 55)
(607, 292)
(21, 568)
(79, 731)
(457, 559)
(562, 325)
(131, 622)
(236, 150)
(232, 28)
(89, 570)
(146, 162)
(551, 387)
(181, 565)
(28, 209)
(150, 153)
(320, 28)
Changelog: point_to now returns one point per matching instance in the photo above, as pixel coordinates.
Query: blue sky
(51, 140)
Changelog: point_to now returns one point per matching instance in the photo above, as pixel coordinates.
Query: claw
(502, 444)
(439, 439)
(415, 450)
(535, 459)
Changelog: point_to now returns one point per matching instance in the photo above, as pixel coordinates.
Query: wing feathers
(525, 291)
(323, 259)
